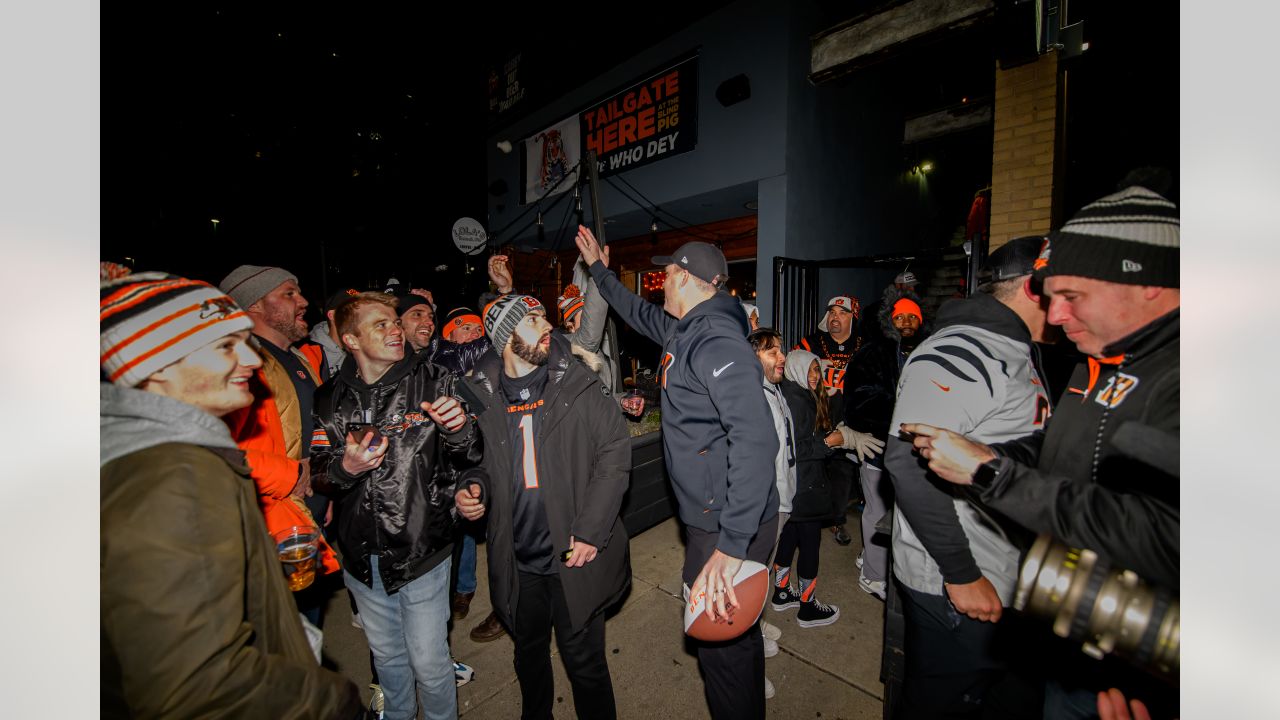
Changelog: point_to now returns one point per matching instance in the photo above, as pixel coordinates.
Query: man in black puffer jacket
(394, 502)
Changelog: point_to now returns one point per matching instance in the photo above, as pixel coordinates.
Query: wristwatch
(986, 472)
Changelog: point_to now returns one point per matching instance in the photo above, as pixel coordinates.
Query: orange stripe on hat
(173, 341)
(143, 331)
(107, 307)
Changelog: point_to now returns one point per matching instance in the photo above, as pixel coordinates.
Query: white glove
(864, 444)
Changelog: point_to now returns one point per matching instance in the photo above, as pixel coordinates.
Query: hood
(798, 364)
(131, 420)
(885, 314)
(984, 311)
(722, 310)
(320, 336)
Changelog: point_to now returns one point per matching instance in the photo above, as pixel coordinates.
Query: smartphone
(357, 431)
(565, 555)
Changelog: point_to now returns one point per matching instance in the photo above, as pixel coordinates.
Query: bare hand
(358, 459)
(328, 513)
(580, 553)
(977, 599)
(716, 580)
(303, 487)
(468, 502)
(447, 413)
(1111, 707)
(500, 273)
(953, 457)
(424, 293)
(834, 439)
(590, 249)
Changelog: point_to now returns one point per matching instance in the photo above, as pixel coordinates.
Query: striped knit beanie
(1130, 238)
(148, 321)
(503, 315)
(571, 302)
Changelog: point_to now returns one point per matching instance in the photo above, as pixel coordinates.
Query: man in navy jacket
(718, 443)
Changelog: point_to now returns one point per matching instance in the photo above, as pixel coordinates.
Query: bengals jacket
(1104, 473)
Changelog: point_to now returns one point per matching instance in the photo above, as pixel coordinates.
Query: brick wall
(1023, 150)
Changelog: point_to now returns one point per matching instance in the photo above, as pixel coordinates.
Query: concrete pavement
(828, 672)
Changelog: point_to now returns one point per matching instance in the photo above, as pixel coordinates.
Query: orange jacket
(273, 465)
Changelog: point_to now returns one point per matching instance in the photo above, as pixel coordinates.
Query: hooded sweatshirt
(131, 420)
(719, 444)
(334, 353)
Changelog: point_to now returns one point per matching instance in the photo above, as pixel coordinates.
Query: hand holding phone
(357, 430)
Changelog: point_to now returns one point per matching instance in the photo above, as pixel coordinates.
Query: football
(751, 586)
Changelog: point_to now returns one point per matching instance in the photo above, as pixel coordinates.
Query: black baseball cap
(1013, 259)
(339, 297)
(703, 260)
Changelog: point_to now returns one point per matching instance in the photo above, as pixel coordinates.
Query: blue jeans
(408, 635)
(467, 564)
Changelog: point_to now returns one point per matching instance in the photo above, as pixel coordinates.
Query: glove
(864, 444)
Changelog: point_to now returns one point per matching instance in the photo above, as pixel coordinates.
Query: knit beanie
(1130, 237)
(907, 306)
(247, 284)
(571, 302)
(407, 301)
(503, 315)
(149, 321)
(458, 317)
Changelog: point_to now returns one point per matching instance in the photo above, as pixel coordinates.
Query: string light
(652, 281)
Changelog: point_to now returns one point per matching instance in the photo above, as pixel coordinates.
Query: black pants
(841, 474)
(955, 665)
(540, 606)
(806, 535)
(732, 671)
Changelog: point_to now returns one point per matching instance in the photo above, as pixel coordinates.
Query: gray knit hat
(503, 315)
(247, 284)
(1130, 237)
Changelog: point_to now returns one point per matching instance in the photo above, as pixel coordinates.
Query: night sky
(341, 144)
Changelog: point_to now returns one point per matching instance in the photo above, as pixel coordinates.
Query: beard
(286, 324)
(532, 354)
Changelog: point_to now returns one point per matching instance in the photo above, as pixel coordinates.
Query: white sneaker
(770, 647)
(768, 689)
(356, 622)
(376, 701)
(769, 630)
(872, 587)
(462, 673)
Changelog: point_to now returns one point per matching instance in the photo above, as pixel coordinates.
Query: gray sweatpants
(875, 556)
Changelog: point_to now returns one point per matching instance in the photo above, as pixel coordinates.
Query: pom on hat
(503, 315)
(149, 321)
(571, 302)
(1129, 237)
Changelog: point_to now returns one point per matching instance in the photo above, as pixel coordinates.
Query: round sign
(469, 236)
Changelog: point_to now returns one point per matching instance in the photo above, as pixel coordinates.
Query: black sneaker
(784, 598)
(842, 537)
(816, 613)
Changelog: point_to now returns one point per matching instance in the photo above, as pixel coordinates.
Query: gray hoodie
(131, 420)
(334, 354)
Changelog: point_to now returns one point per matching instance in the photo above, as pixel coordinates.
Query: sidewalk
(828, 672)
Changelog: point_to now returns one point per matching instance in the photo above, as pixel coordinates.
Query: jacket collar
(1149, 338)
(984, 311)
(396, 373)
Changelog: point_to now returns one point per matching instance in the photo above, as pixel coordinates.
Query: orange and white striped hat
(148, 321)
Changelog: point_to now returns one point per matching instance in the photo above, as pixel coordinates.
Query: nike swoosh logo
(716, 373)
(944, 387)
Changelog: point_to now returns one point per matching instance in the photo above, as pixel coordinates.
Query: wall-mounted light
(921, 168)
(504, 146)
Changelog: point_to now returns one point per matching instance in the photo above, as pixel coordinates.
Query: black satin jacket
(402, 510)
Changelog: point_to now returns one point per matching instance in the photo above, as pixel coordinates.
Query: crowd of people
(403, 436)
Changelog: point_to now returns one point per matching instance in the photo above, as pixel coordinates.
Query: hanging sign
(469, 236)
